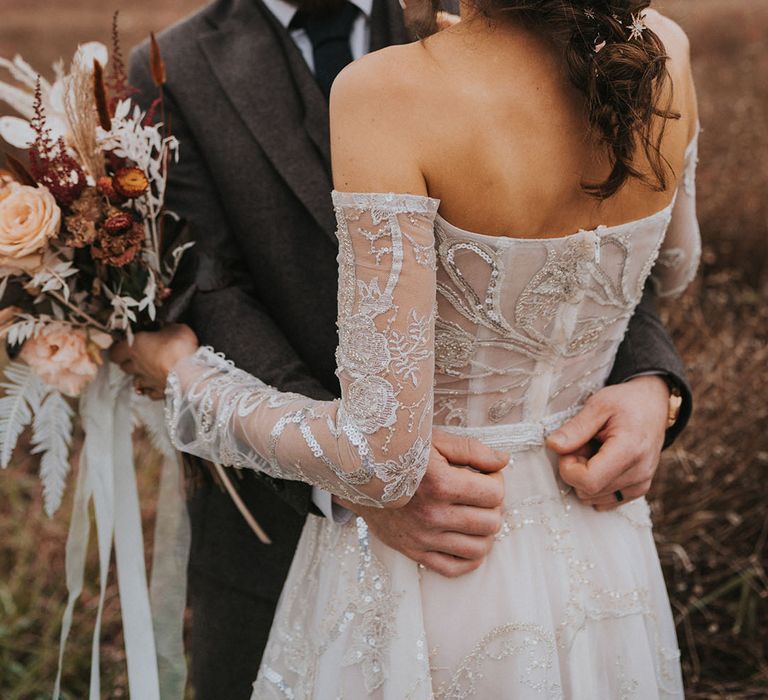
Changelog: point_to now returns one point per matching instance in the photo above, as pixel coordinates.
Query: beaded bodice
(529, 328)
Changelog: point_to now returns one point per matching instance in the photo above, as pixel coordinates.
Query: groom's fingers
(469, 520)
(466, 452)
(464, 487)
(482, 522)
(582, 428)
(447, 565)
(462, 546)
(608, 501)
(603, 472)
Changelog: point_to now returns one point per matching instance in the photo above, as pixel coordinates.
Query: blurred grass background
(709, 500)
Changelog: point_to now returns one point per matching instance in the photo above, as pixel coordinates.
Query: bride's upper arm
(373, 145)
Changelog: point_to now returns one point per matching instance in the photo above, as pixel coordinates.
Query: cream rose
(65, 357)
(29, 217)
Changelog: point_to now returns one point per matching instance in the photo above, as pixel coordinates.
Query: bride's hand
(153, 355)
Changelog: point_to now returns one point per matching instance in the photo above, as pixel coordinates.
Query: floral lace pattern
(372, 446)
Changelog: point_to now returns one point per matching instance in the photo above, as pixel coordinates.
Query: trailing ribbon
(106, 477)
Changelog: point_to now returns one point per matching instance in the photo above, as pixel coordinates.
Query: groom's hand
(628, 421)
(450, 524)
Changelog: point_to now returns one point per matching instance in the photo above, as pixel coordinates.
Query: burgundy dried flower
(118, 222)
(50, 163)
(64, 177)
(117, 82)
(121, 247)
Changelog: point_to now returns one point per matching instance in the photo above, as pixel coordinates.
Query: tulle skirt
(570, 604)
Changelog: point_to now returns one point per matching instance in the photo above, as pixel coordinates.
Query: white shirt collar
(284, 11)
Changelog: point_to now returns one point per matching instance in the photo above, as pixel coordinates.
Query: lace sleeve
(681, 250)
(372, 445)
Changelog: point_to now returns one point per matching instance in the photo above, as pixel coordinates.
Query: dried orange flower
(106, 186)
(130, 182)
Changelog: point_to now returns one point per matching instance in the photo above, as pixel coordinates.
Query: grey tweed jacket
(254, 185)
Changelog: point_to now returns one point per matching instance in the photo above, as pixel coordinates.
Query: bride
(504, 188)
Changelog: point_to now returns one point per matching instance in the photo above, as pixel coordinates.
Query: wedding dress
(501, 339)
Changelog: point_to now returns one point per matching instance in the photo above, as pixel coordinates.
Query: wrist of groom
(680, 402)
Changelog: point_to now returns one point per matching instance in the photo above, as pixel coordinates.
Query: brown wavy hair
(624, 78)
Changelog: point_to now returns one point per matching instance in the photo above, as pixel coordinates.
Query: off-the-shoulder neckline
(395, 199)
(423, 203)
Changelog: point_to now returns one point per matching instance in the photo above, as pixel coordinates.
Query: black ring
(619, 496)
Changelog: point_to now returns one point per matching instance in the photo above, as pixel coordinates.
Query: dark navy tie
(330, 37)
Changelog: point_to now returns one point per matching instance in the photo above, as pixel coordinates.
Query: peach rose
(65, 357)
(29, 217)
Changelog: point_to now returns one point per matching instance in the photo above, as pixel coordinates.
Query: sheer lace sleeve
(372, 445)
(681, 250)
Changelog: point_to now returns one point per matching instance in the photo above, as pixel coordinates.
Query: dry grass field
(710, 497)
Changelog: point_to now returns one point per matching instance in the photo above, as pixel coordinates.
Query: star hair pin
(636, 27)
(589, 13)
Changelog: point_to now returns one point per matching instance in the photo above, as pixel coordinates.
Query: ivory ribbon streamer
(168, 588)
(153, 635)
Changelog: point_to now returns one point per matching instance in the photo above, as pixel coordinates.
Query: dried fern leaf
(23, 390)
(51, 438)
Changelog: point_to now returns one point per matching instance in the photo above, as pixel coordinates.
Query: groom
(248, 82)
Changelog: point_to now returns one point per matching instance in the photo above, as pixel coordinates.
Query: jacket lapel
(270, 85)
(267, 80)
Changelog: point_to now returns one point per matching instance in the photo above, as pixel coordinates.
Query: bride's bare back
(484, 118)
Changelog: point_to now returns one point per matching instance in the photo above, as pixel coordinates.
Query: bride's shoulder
(392, 71)
(672, 35)
(678, 49)
(376, 124)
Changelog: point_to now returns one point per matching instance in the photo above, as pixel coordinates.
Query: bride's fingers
(141, 385)
(120, 352)
(129, 367)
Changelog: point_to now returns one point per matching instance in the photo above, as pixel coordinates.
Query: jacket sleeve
(647, 347)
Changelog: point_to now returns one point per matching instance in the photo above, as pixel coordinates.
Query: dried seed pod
(100, 95)
(156, 63)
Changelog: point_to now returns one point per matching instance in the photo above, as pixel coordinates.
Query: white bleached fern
(23, 394)
(51, 438)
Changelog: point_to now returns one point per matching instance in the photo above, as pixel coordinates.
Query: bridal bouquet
(82, 264)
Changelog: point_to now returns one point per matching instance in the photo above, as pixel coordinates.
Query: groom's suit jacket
(254, 184)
